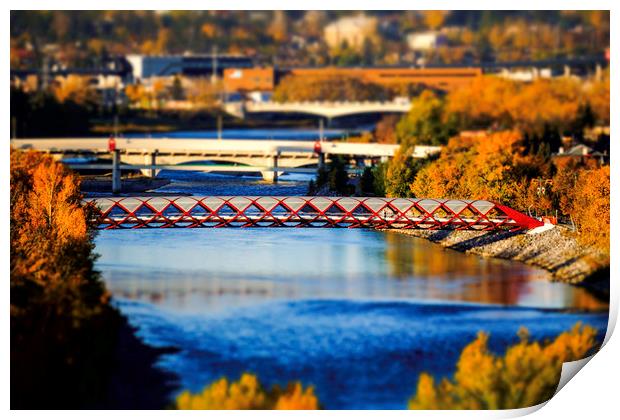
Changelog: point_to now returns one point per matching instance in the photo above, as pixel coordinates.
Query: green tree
(176, 91)
(400, 174)
(425, 123)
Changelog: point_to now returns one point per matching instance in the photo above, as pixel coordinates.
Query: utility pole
(219, 125)
(45, 74)
(213, 64)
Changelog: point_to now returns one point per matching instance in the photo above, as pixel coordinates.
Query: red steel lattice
(268, 211)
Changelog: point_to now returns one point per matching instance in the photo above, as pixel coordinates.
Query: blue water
(254, 134)
(357, 354)
(201, 183)
(356, 313)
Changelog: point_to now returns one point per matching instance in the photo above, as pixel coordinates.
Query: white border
(592, 395)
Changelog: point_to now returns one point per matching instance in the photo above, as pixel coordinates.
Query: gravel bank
(555, 250)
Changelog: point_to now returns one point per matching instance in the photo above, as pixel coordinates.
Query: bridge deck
(201, 148)
(268, 211)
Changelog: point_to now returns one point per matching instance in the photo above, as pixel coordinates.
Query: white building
(147, 66)
(352, 30)
(425, 41)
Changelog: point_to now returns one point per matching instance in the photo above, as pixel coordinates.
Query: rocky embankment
(556, 250)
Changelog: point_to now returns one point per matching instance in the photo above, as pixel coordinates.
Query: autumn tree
(385, 130)
(597, 92)
(62, 327)
(586, 197)
(328, 88)
(526, 375)
(203, 93)
(279, 26)
(75, 88)
(488, 166)
(534, 108)
(434, 18)
(248, 394)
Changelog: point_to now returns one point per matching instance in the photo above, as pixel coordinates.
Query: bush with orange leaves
(248, 394)
(584, 194)
(527, 375)
(491, 166)
(62, 327)
(559, 104)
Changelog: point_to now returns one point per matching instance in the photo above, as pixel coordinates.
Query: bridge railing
(333, 212)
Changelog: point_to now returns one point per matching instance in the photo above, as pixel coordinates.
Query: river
(356, 313)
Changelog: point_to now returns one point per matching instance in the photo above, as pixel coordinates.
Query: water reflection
(456, 276)
(214, 269)
(351, 312)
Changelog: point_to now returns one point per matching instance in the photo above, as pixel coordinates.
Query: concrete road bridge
(295, 211)
(327, 110)
(269, 157)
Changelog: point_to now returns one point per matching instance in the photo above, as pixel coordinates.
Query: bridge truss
(326, 212)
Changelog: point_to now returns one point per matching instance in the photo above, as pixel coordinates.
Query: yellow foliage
(473, 168)
(434, 18)
(529, 107)
(209, 30)
(248, 394)
(528, 374)
(74, 88)
(63, 330)
(589, 204)
(296, 398)
(328, 88)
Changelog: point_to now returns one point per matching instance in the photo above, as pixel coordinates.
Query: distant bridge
(323, 109)
(326, 212)
(266, 156)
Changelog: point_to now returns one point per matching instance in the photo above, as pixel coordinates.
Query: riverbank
(556, 251)
(145, 122)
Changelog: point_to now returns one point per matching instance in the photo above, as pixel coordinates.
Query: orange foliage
(598, 97)
(209, 30)
(491, 101)
(248, 394)
(74, 88)
(481, 167)
(62, 327)
(527, 375)
(50, 236)
(585, 195)
(328, 88)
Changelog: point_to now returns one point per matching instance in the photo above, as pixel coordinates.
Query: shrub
(527, 375)
(248, 394)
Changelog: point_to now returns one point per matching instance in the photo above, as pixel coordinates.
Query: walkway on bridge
(294, 211)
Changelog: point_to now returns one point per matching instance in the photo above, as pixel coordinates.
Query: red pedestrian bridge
(326, 212)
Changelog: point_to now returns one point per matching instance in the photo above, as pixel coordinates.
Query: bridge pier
(150, 159)
(274, 173)
(116, 171)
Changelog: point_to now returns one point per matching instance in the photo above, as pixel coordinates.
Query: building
(247, 80)
(583, 154)
(266, 78)
(350, 30)
(147, 66)
(425, 41)
(445, 79)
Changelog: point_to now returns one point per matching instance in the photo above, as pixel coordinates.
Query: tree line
(88, 38)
